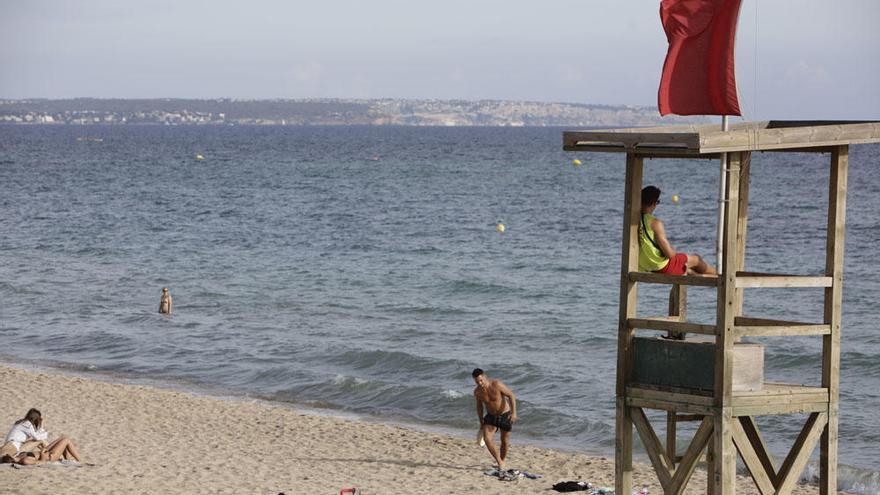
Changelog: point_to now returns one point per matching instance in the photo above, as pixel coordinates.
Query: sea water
(359, 269)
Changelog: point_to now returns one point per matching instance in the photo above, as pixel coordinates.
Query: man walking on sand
(500, 413)
(656, 254)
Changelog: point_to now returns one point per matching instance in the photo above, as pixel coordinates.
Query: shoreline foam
(149, 439)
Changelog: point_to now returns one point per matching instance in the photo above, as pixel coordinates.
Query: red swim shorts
(677, 265)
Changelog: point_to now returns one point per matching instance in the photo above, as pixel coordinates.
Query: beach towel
(511, 474)
(54, 464)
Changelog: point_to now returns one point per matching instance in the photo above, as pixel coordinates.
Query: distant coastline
(225, 111)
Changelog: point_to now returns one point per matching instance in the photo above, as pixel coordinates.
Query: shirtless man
(500, 413)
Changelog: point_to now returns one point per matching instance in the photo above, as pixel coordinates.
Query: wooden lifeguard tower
(724, 410)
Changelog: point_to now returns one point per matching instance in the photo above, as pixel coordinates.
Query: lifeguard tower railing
(709, 392)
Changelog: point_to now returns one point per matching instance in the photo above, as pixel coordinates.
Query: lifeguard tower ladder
(725, 409)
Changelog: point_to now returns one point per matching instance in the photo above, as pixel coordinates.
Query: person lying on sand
(27, 435)
(61, 448)
(501, 413)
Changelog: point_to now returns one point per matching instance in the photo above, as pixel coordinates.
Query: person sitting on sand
(60, 448)
(501, 413)
(656, 254)
(27, 435)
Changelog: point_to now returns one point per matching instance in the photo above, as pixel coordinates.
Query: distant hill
(225, 111)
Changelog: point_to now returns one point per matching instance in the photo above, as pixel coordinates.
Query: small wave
(403, 363)
(480, 287)
(850, 479)
(452, 394)
(426, 310)
(342, 380)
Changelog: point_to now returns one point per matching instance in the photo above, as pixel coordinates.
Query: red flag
(698, 75)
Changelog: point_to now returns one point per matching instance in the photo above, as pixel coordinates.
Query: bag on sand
(572, 486)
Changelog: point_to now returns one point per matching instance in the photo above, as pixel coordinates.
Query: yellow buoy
(499, 227)
(576, 162)
(200, 157)
(675, 198)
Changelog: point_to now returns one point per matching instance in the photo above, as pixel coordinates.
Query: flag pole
(722, 185)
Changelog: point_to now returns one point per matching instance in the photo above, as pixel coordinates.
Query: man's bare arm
(511, 398)
(660, 237)
(479, 407)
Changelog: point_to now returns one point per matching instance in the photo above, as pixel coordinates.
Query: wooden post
(724, 451)
(742, 222)
(710, 466)
(629, 262)
(670, 437)
(833, 300)
(677, 307)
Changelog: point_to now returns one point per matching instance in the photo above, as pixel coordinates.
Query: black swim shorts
(501, 421)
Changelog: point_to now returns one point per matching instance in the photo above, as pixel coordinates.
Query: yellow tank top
(651, 259)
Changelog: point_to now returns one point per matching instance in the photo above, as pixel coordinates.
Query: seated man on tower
(656, 254)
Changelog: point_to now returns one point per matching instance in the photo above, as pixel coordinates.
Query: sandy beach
(152, 440)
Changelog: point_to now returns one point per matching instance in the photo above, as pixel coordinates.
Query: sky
(795, 59)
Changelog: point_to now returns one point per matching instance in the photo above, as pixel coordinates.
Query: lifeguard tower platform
(716, 390)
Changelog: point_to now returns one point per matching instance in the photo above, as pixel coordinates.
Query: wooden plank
(724, 450)
(831, 316)
(724, 453)
(746, 321)
(662, 464)
(781, 331)
(691, 456)
(671, 326)
(773, 400)
(751, 459)
(628, 300)
(685, 136)
(777, 389)
(660, 278)
(725, 308)
(671, 453)
(684, 418)
(623, 446)
(766, 327)
(677, 308)
(750, 428)
(792, 408)
(803, 136)
(772, 281)
(747, 136)
(742, 226)
(663, 318)
(797, 458)
(629, 262)
(644, 393)
(647, 153)
(710, 467)
(665, 405)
